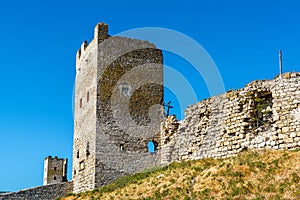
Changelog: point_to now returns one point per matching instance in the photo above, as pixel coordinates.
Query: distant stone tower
(55, 170)
(118, 98)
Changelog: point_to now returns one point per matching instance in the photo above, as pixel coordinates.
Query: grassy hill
(250, 175)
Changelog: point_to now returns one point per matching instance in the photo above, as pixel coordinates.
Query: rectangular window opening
(81, 165)
(122, 147)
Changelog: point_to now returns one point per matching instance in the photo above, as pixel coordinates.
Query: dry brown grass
(250, 175)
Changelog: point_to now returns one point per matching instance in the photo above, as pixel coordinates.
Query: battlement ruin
(55, 170)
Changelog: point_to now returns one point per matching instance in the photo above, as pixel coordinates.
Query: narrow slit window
(87, 149)
(121, 147)
(80, 103)
(87, 97)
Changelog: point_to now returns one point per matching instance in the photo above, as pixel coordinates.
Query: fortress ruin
(119, 110)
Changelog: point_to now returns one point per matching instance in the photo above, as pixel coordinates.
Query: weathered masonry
(263, 114)
(118, 97)
(55, 170)
(118, 111)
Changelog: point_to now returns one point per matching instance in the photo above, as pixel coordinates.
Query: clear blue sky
(39, 40)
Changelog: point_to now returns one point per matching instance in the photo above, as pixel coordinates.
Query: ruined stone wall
(47, 192)
(263, 114)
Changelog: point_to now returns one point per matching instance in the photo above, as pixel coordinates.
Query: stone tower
(55, 170)
(118, 98)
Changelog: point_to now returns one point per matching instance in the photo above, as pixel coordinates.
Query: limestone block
(288, 140)
(280, 141)
(273, 143)
(275, 147)
(279, 125)
(261, 145)
(293, 134)
(291, 145)
(282, 146)
(282, 136)
(245, 144)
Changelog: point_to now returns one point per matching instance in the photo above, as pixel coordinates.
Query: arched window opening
(54, 177)
(152, 146)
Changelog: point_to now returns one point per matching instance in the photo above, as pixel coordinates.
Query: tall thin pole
(168, 105)
(280, 62)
